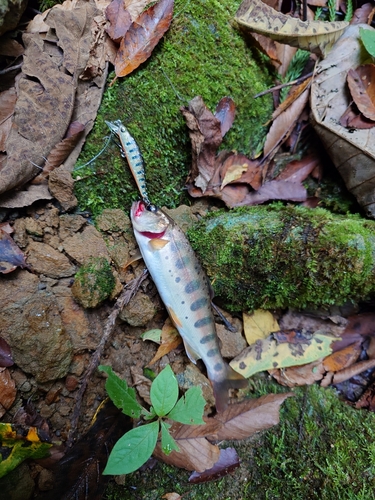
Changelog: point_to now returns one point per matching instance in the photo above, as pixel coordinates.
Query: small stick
(126, 295)
(281, 86)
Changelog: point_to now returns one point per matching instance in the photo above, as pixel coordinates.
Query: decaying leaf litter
(223, 171)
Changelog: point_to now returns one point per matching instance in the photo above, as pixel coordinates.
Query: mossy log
(276, 257)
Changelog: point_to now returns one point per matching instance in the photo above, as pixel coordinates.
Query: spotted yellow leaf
(268, 354)
(259, 325)
(314, 36)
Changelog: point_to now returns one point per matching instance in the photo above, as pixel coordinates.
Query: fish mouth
(137, 208)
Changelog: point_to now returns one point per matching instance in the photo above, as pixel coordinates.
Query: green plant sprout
(135, 447)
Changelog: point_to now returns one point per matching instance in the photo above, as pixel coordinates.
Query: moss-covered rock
(93, 283)
(202, 54)
(276, 256)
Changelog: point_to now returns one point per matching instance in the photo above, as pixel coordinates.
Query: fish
(129, 149)
(184, 288)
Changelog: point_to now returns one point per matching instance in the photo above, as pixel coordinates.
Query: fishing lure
(130, 150)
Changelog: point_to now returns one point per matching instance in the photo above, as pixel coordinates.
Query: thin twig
(281, 86)
(126, 295)
(11, 68)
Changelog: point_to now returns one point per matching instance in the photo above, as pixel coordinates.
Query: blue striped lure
(130, 150)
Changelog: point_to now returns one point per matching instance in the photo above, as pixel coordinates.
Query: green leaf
(148, 415)
(189, 409)
(133, 449)
(164, 392)
(121, 394)
(168, 444)
(368, 40)
(153, 335)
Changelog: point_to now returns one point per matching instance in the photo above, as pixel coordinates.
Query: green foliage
(136, 446)
(331, 4)
(349, 11)
(323, 449)
(294, 71)
(201, 54)
(368, 40)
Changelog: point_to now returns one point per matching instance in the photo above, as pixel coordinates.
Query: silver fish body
(183, 286)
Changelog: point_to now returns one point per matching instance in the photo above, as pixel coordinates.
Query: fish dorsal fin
(193, 355)
(158, 243)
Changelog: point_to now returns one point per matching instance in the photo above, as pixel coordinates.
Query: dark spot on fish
(186, 317)
(218, 367)
(203, 322)
(166, 257)
(182, 302)
(198, 304)
(212, 352)
(207, 338)
(177, 280)
(181, 263)
(192, 286)
(127, 143)
(242, 365)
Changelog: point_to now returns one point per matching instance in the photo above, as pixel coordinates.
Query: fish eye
(152, 208)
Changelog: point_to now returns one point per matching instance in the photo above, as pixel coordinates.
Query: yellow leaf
(259, 325)
(268, 354)
(233, 173)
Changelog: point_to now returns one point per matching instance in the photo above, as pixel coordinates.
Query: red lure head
(148, 220)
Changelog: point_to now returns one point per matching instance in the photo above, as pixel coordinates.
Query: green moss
(201, 54)
(322, 449)
(93, 283)
(275, 256)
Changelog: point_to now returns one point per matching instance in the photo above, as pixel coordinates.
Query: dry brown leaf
(284, 124)
(26, 197)
(172, 496)
(298, 170)
(142, 37)
(361, 15)
(361, 83)
(353, 370)
(275, 190)
(354, 119)
(227, 463)
(8, 100)
(8, 391)
(225, 113)
(267, 46)
(170, 339)
(119, 19)
(299, 375)
(285, 54)
(196, 452)
(11, 256)
(242, 420)
(252, 171)
(10, 47)
(293, 94)
(362, 324)
(342, 359)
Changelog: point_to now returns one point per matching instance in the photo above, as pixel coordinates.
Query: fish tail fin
(233, 380)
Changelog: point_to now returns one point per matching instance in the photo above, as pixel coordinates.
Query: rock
(32, 326)
(7, 390)
(276, 257)
(44, 259)
(232, 343)
(139, 311)
(183, 216)
(114, 220)
(70, 224)
(93, 283)
(89, 243)
(61, 186)
(33, 227)
(20, 235)
(17, 484)
(192, 377)
(45, 480)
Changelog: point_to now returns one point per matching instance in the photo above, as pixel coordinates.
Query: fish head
(149, 220)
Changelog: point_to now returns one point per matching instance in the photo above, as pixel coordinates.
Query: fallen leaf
(362, 324)
(267, 354)
(351, 371)
(342, 359)
(8, 100)
(119, 19)
(26, 197)
(259, 325)
(11, 256)
(293, 320)
(154, 335)
(283, 125)
(293, 94)
(233, 173)
(285, 54)
(367, 400)
(239, 421)
(170, 339)
(142, 37)
(8, 390)
(172, 496)
(196, 452)
(267, 46)
(361, 15)
(299, 375)
(5, 354)
(275, 190)
(298, 170)
(361, 83)
(292, 336)
(227, 463)
(352, 118)
(10, 47)
(225, 113)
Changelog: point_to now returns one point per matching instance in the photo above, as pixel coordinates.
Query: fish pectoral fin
(193, 355)
(157, 243)
(134, 258)
(174, 317)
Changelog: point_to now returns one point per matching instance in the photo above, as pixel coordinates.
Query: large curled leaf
(189, 409)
